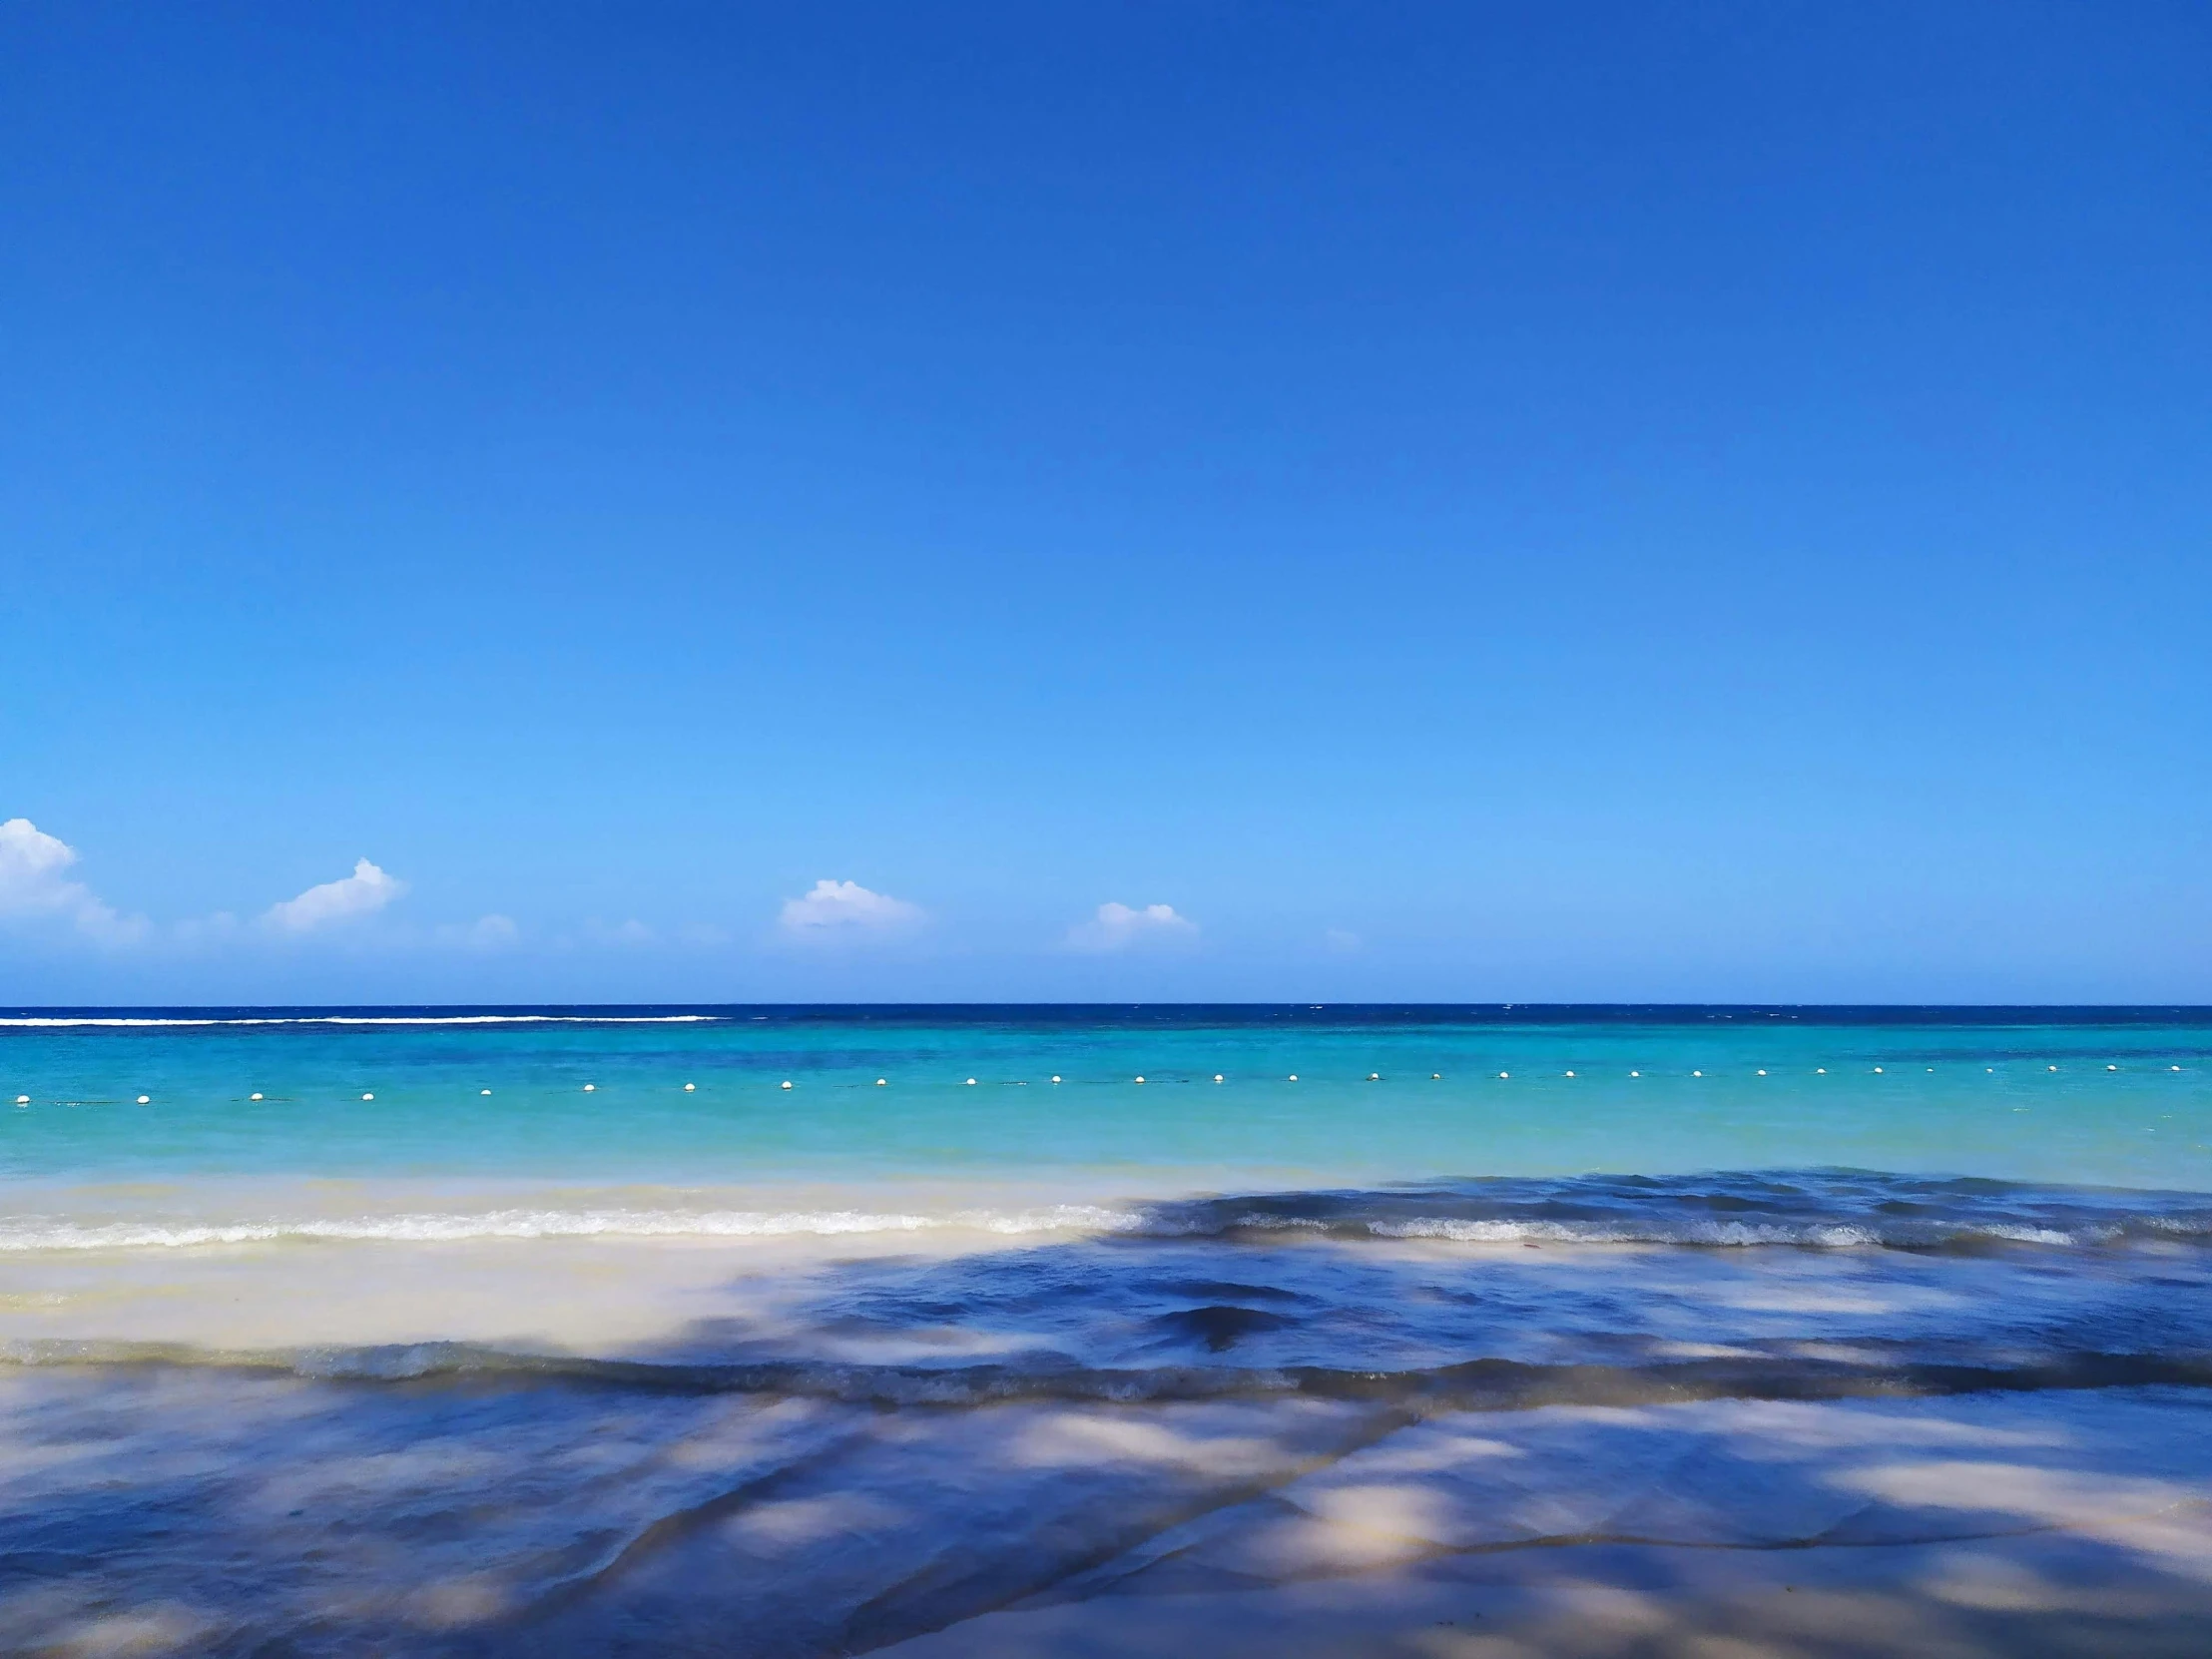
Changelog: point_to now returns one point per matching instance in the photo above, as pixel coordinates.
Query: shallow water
(2119, 1100)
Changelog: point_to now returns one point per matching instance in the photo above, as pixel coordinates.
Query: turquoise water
(2123, 1099)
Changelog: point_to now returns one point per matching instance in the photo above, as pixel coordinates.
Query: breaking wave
(1810, 1209)
(29, 1234)
(1813, 1209)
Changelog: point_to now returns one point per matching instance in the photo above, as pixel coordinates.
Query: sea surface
(552, 1227)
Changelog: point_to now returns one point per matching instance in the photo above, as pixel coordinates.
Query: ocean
(464, 1329)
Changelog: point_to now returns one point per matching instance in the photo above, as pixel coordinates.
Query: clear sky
(1450, 501)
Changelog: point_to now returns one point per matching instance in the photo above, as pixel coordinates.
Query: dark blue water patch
(1176, 1015)
(1268, 1282)
(1216, 1327)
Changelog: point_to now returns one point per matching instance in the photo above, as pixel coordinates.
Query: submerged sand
(179, 1510)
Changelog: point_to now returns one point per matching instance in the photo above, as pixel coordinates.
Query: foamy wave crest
(1807, 1209)
(1730, 1233)
(1720, 1235)
(1819, 1209)
(65, 1021)
(432, 1227)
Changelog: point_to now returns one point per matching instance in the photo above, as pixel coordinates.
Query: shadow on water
(1274, 1427)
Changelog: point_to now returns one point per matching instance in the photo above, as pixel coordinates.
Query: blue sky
(1450, 502)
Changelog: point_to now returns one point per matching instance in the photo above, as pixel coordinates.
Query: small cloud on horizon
(364, 892)
(32, 885)
(831, 908)
(1118, 926)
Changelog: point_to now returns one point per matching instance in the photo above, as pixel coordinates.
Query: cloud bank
(842, 908)
(1118, 927)
(33, 885)
(364, 892)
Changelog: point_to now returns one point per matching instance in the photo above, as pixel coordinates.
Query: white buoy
(1504, 1074)
(1374, 1077)
(591, 1088)
(1820, 1071)
(2111, 1069)
(787, 1082)
(1216, 1077)
(1140, 1080)
(369, 1097)
(1436, 1077)
(1697, 1074)
(691, 1088)
(256, 1095)
(1877, 1071)
(1570, 1074)
(25, 1100)
(484, 1091)
(2051, 1068)
(1992, 1070)
(146, 1100)
(971, 1082)
(1635, 1074)
(882, 1082)
(1294, 1076)
(2173, 1068)
(1055, 1077)
(1762, 1071)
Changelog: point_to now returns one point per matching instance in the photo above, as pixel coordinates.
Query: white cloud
(31, 865)
(33, 884)
(844, 907)
(367, 891)
(1117, 928)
